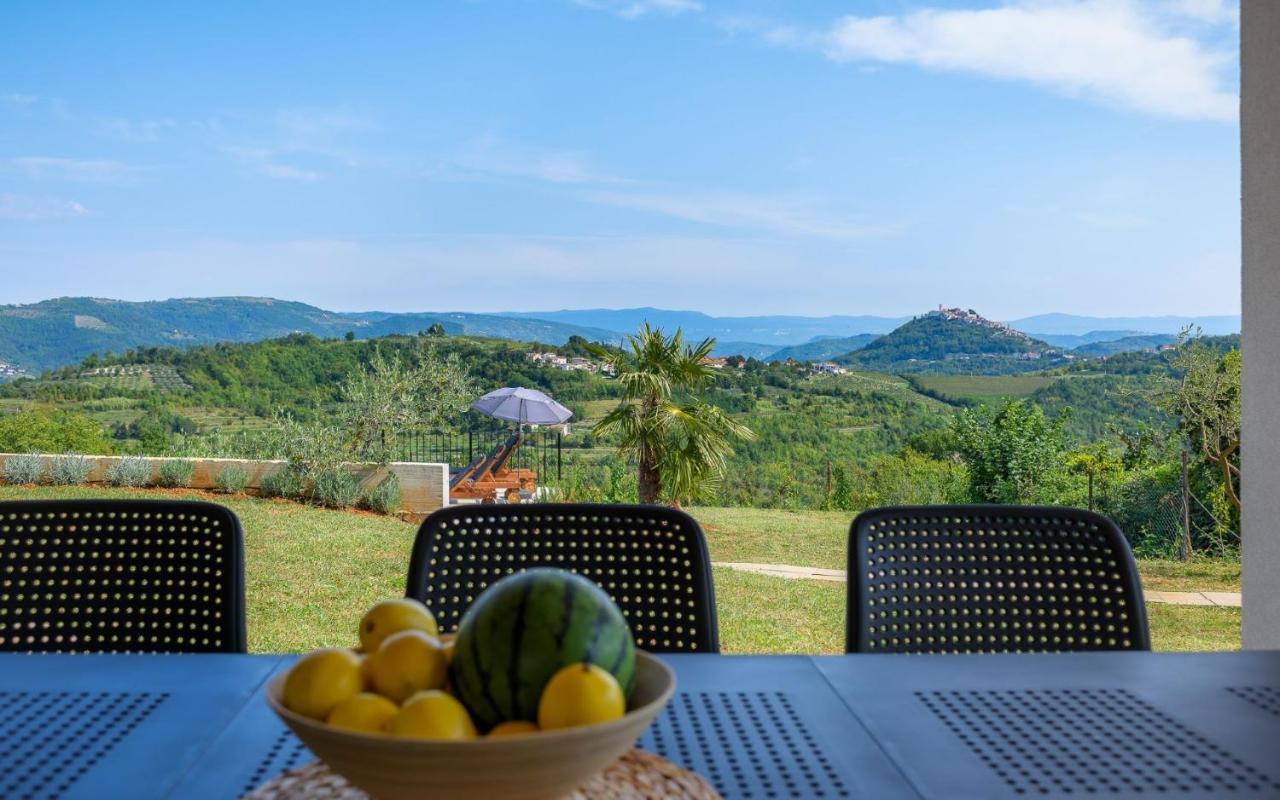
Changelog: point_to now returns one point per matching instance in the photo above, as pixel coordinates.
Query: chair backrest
(652, 561)
(989, 579)
(89, 575)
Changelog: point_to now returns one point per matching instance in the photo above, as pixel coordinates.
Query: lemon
(515, 727)
(365, 712)
(432, 715)
(580, 694)
(320, 680)
(447, 646)
(407, 662)
(393, 616)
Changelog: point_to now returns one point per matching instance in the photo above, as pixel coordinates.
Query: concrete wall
(1260, 437)
(423, 487)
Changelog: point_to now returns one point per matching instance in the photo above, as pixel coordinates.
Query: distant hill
(1071, 341)
(744, 349)
(776, 330)
(1127, 344)
(1053, 324)
(953, 340)
(823, 348)
(57, 332)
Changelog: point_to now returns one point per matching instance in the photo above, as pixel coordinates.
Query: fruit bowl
(541, 766)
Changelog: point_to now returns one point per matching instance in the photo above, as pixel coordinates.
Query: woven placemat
(638, 775)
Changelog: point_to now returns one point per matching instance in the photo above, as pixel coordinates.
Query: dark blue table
(1114, 725)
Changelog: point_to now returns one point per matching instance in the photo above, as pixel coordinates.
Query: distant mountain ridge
(778, 330)
(57, 332)
(65, 330)
(824, 348)
(1050, 324)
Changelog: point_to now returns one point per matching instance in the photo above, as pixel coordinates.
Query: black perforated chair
(652, 561)
(156, 576)
(991, 579)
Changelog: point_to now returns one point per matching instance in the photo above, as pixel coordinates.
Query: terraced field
(982, 388)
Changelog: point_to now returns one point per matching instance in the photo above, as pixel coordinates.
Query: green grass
(983, 388)
(768, 536)
(310, 573)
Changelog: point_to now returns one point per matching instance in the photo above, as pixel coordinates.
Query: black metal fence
(541, 449)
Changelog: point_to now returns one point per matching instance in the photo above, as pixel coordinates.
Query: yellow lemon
(432, 715)
(366, 674)
(447, 646)
(408, 662)
(515, 727)
(393, 616)
(365, 712)
(320, 680)
(580, 694)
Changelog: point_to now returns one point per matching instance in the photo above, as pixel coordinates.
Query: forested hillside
(58, 332)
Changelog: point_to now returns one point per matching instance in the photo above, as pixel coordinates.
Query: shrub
(24, 469)
(51, 432)
(231, 480)
(129, 471)
(336, 488)
(385, 497)
(71, 469)
(288, 482)
(175, 473)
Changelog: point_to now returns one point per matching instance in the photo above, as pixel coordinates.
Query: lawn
(311, 572)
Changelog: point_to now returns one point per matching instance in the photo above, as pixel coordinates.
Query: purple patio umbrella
(525, 406)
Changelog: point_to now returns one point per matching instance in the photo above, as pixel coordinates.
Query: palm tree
(679, 441)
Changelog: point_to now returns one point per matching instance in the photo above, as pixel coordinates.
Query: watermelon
(524, 628)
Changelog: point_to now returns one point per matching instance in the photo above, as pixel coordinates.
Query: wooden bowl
(540, 766)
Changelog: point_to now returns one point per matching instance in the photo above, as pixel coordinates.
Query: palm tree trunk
(650, 480)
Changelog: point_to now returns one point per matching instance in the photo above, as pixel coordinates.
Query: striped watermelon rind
(525, 627)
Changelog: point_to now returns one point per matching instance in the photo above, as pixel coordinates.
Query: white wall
(1260, 159)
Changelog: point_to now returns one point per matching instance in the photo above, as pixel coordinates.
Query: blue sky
(878, 157)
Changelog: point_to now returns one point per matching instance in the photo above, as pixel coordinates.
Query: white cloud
(140, 130)
(266, 161)
(634, 9)
(1113, 51)
(19, 99)
(20, 207)
(782, 215)
(490, 155)
(95, 170)
(1214, 12)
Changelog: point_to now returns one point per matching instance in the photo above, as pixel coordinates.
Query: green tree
(1014, 455)
(1205, 397)
(389, 398)
(680, 442)
(52, 432)
(1097, 464)
(909, 478)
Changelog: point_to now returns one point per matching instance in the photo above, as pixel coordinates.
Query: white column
(1260, 160)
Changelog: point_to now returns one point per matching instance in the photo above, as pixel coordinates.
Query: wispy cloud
(18, 99)
(21, 207)
(137, 130)
(307, 135)
(634, 9)
(55, 167)
(1123, 53)
(490, 155)
(267, 161)
(779, 215)
(1214, 12)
